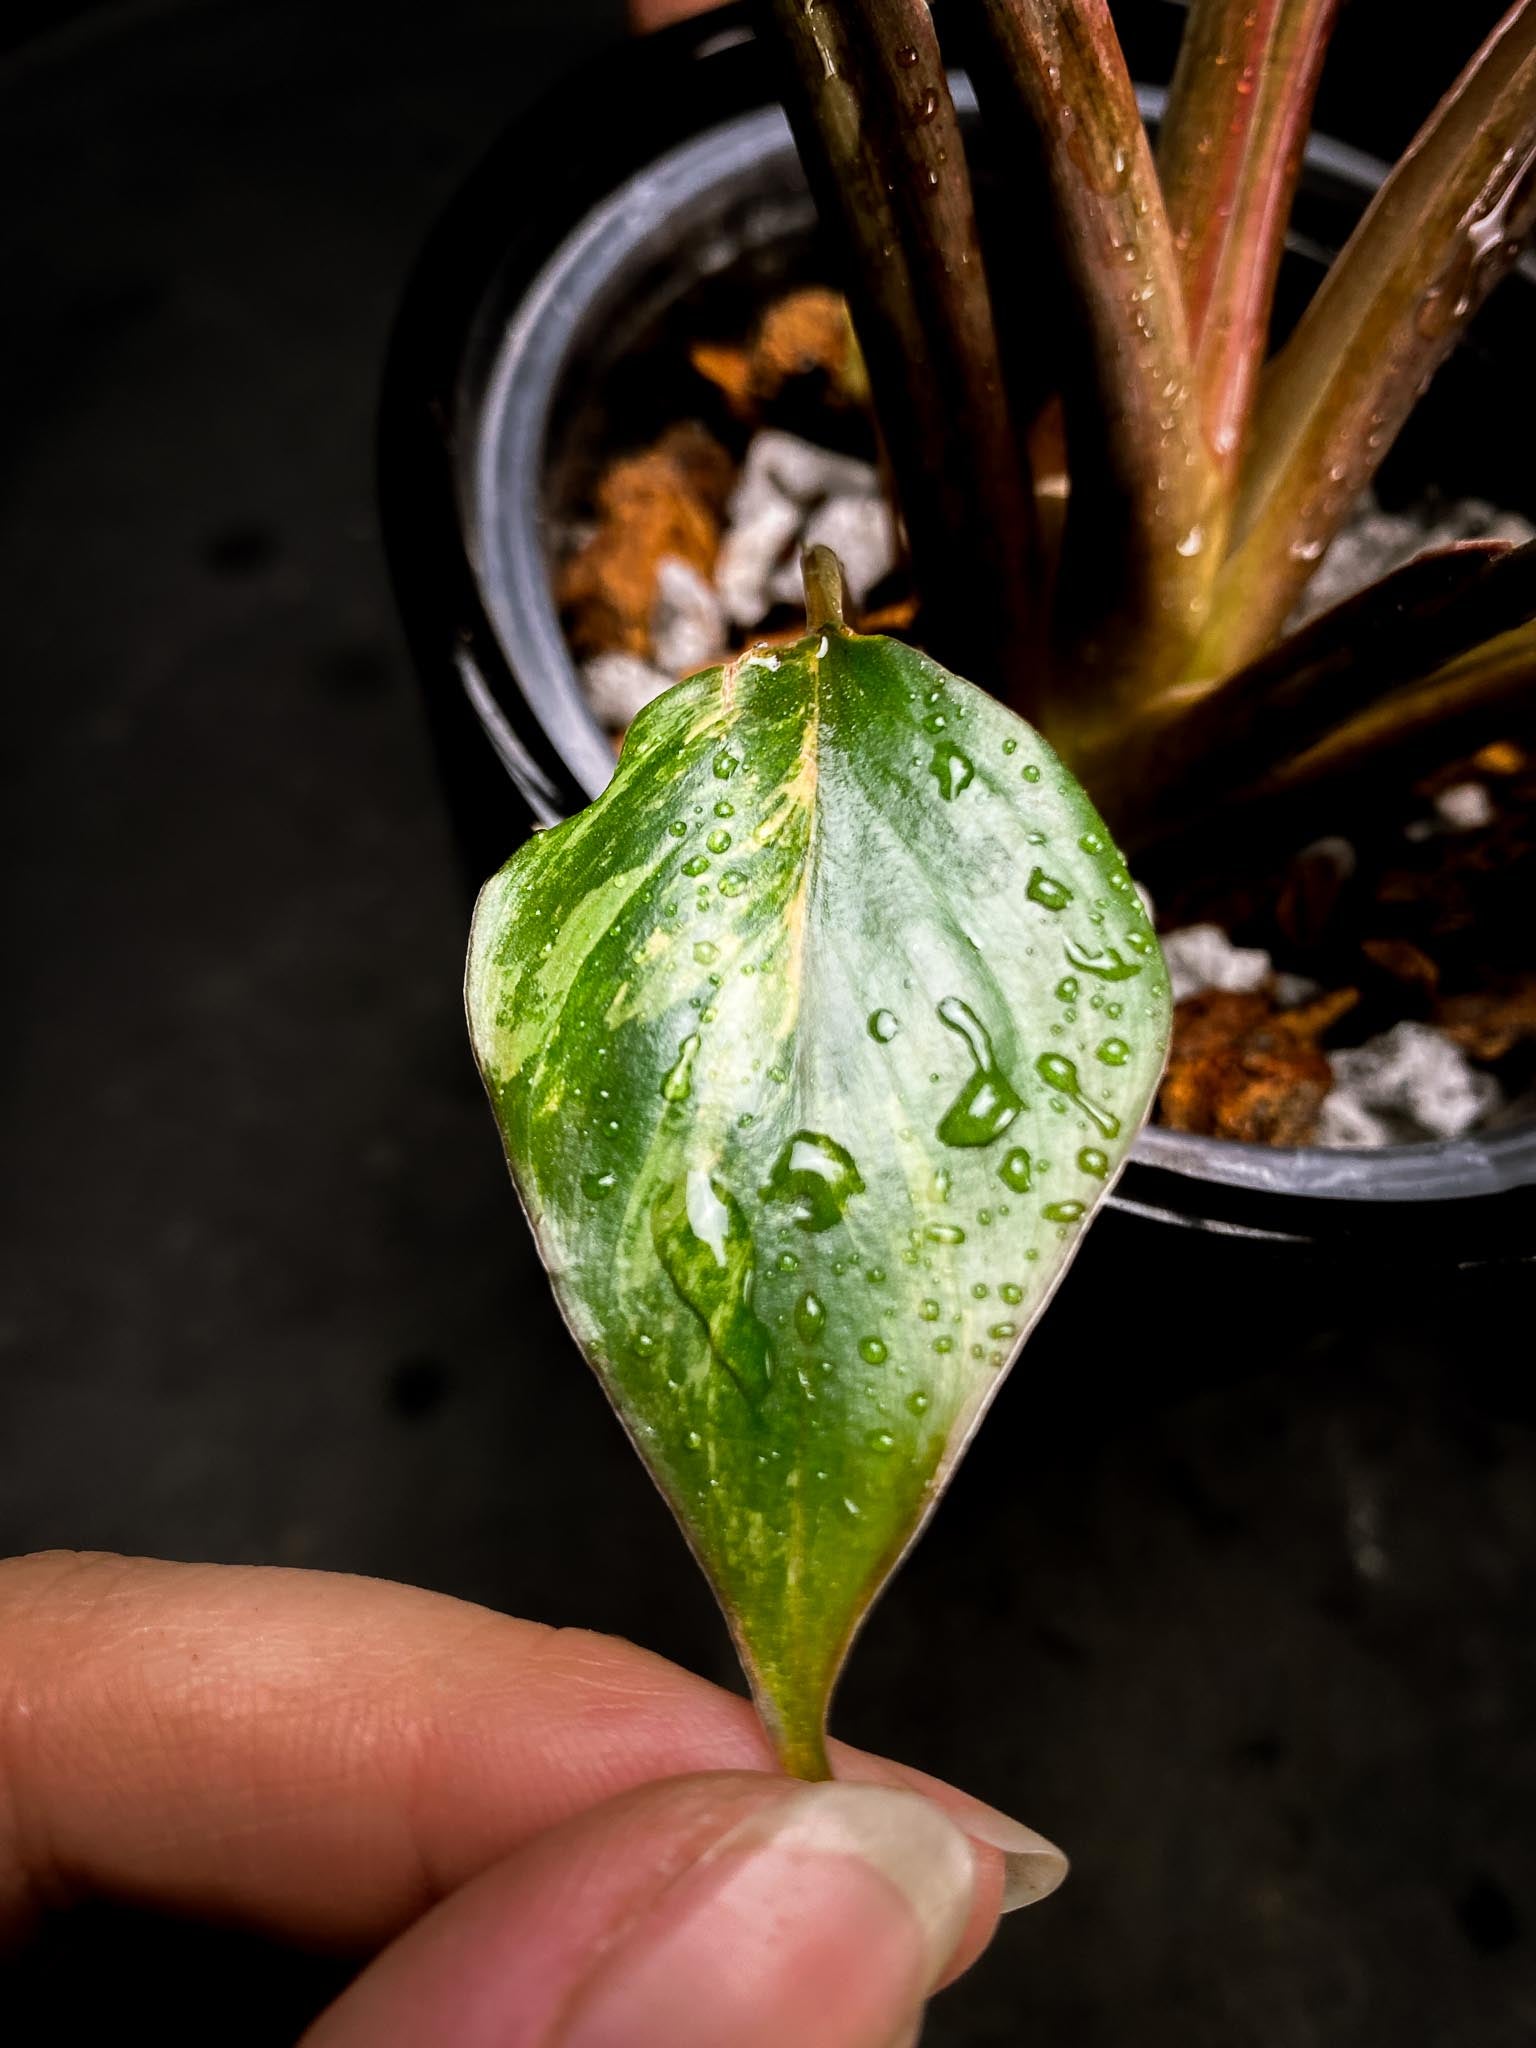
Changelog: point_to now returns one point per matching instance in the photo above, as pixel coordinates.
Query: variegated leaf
(814, 1042)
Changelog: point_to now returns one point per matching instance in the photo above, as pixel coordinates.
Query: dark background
(1234, 1597)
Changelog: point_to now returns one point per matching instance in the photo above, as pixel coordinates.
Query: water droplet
(939, 1184)
(1010, 746)
(883, 1026)
(698, 865)
(928, 104)
(951, 769)
(678, 829)
(929, 1311)
(988, 1103)
(694, 1441)
(816, 1178)
(1106, 962)
(850, 1506)
(1015, 1170)
(1114, 1052)
(872, 1351)
(906, 56)
(810, 1317)
(1058, 1072)
(1011, 1291)
(595, 1185)
(719, 841)
(919, 1402)
(1066, 990)
(1002, 1331)
(1062, 1212)
(705, 953)
(726, 765)
(944, 1233)
(705, 1247)
(732, 884)
(881, 1440)
(725, 809)
(1092, 1160)
(678, 1084)
(1192, 542)
(644, 1342)
(788, 1263)
(980, 1291)
(935, 722)
(943, 1344)
(1030, 773)
(1045, 890)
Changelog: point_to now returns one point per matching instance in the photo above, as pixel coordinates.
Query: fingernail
(1032, 1866)
(829, 1914)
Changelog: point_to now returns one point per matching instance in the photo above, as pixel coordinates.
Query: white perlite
(1201, 956)
(1465, 807)
(687, 619)
(619, 686)
(786, 487)
(1410, 1084)
(860, 532)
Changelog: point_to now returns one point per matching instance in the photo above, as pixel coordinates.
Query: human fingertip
(757, 1945)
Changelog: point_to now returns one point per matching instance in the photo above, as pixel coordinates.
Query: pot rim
(499, 471)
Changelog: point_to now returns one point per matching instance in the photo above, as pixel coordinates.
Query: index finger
(324, 1756)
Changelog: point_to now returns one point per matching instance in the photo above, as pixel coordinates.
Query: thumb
(735, 1910)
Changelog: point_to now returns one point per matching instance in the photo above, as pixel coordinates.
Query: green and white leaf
(814, 1043)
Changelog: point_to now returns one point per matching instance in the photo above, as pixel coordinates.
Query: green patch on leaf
(808, 1131)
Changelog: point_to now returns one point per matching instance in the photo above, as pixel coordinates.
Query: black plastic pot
(552, 264)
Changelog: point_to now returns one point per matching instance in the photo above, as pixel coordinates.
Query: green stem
(826, 591)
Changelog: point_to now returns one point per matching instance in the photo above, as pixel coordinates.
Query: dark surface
(1246, 1625)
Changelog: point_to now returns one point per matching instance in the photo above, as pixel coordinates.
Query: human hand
(553, 1839)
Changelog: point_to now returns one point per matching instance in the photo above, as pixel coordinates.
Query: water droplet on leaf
(678, 1084)
(951, 769)
(815, 1178)
(810, 1317)
(988, 1103)
(1045, 890)
(1058, 1072)
(705, 1247)
(1015, 1170)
